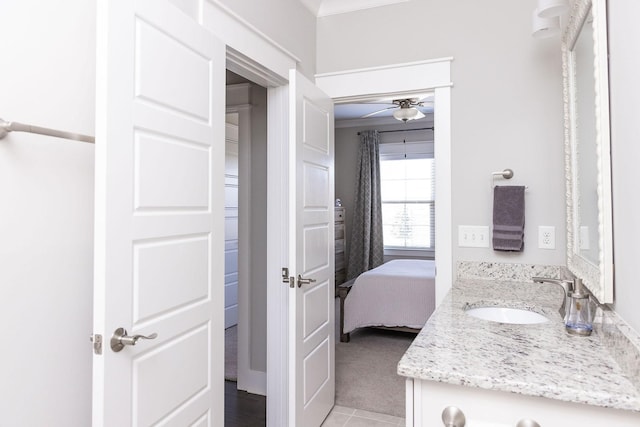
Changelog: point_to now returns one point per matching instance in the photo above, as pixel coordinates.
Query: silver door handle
(120, 338)
(302, 281)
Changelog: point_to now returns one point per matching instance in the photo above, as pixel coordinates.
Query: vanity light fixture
(545, 27)
(551, 8)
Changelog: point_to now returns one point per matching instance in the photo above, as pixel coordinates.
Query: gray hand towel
(508, 218)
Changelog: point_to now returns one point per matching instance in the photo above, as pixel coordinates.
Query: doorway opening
(245, 250)
(359, 386)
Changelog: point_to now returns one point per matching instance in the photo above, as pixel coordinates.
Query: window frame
(406, 151)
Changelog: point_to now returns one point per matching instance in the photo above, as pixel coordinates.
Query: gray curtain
(367, 248)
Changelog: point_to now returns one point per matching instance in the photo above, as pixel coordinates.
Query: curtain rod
(402, 130)
(6, 127)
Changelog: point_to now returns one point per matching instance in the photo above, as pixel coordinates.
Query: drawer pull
(527, 422)
(453, 417)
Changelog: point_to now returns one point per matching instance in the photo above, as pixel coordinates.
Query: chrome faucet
(567, 287)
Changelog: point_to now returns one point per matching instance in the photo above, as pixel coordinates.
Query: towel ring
(506, 174)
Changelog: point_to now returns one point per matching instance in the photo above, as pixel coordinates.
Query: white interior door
(159, 217)
(311, 305)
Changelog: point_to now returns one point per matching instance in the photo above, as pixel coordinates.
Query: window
(407, 175)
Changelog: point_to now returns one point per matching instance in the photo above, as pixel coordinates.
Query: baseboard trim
(253, 382)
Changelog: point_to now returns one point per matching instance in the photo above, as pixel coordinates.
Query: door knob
(120, 338)
(302, 281)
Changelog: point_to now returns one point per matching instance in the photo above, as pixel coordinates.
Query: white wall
(287, 22)
(624, 68)
(258, 321)
(506, 101)
(46, 221)
(506, 112)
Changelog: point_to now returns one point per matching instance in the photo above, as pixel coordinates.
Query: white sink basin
(507, 315)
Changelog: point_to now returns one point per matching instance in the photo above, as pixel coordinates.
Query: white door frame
(253, 55)
(410, 78)
(248, 379)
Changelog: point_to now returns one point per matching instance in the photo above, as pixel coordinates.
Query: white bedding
(398, 293)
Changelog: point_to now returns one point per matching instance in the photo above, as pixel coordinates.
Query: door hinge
(96, 339)
(286, 278)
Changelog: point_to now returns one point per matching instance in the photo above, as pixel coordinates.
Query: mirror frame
(598, 278)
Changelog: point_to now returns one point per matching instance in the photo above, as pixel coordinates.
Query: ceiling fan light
(405, 114)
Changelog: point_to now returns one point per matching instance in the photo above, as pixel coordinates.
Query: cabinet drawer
(339, 264)
(339, 231)
(339, 245)
(339, 214)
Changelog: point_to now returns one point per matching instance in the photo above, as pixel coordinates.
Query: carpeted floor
(366, 375)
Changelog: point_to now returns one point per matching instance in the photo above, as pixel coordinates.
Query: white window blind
(407, 172)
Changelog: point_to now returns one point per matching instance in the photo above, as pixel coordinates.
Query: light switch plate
(473, 236)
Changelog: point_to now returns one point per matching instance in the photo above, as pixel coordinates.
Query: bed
(399, 294)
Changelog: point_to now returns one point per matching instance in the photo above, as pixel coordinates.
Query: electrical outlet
(546, 237)
(473, 236)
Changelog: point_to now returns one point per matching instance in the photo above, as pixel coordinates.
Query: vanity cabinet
(501, 373)
(426, 400)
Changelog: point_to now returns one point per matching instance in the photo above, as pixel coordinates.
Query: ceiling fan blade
(377, 112)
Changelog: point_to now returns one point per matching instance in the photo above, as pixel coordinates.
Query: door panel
(311, 307)
(165, 170)
(184, 70)
(316, 309)
(317, 371)
(316, 186)
(159, 217)
(315, 243)
(179, 385)
(160, 265)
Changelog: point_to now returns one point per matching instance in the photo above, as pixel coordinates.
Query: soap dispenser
(578, 320)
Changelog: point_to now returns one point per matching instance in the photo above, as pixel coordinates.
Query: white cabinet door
(311, 305)
(159, 217)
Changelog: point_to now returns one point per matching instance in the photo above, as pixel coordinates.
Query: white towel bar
(6, 127)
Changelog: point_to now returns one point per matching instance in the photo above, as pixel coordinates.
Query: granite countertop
(536, 360)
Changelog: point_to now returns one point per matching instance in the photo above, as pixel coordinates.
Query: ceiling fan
(406, 109)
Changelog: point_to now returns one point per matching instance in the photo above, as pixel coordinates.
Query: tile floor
(348, 417)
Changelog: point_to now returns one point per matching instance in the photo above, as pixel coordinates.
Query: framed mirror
(587, 147)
